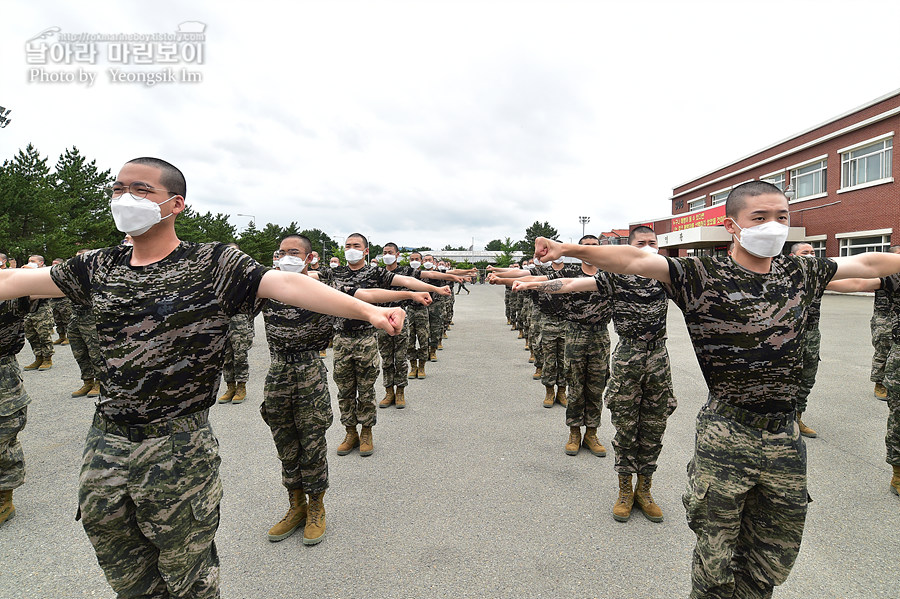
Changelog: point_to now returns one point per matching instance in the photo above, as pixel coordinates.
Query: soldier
(149, 488)
(297, 404)
(236, 368)
(39, 326)
(811, 341)
(62, 313)
(85, 344)
(417, 319)
(13, 402)
(746, 498)
(881, 336)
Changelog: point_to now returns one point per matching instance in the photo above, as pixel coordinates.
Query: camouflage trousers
(236, 368)
(534, 335)
(39, 331)
(13, 416)
(418, 331)
(393, 357)
(587, 363)
(355, 373)
(892, 382)
(553, 345)
(517, 312)
(151, 510)
(527, 305)
(449, 303)
(62, 314)
(881, 341)
(435, 322)
(640, 400)
(297, 408)
(746, 502)
(507, 303)
(811, 343)
(85, 342)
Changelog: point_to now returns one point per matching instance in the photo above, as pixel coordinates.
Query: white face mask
(529, 266)
(558, 261)
(136, 216)
(765, 240)
(292, 264)
(389, 259)
(30, 265)
(429, 265)
(442, 268)
(353, 256)
(539, 263)
(414, 264)
(650, 249)
(314, 260)
(335, 264)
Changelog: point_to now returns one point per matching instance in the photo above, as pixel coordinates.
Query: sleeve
(73, 277)
(386, 278)
(606, 282)
(682, 273)
(236, 279)
(819, 272)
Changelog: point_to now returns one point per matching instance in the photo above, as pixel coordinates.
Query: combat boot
(323, 353)
(805, 430)
(240, 393)
(550, 397)
(61, 341)
(229, 393)
(350, 441)
(622, 508)
(314, 532)
(413, 369)
(531, 358)
(538, 373)
(440, 345)
(7, 509)
(895, 481)
(388, 400)
(84, 389)
(295, 516)
(561, 396)
(400, 399)
(574, 443)
(95, 389)
(46, 364)
(645, 500)
(366, 443)
(34, 365)
(444, 336)
(593, 443)
(880, 392)
(521, 334)
(433, 355)
(421, 369)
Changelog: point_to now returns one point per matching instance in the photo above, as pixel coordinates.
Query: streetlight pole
(250, 216)
(583, 220)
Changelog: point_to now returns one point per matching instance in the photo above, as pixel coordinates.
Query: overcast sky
(433, 123)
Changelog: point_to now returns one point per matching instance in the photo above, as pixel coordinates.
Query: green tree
(80, 194)
(537, 229)
(26, 203)
(203, 228)
(495, 245)
(506, 258)
(321, 242)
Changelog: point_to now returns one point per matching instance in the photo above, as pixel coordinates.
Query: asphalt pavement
(469, 492)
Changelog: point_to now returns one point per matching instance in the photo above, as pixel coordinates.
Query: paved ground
(469, 493)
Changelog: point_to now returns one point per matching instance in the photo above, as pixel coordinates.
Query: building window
(809, 180)
(867, 164)
(719, 198)
(819, 248)
(697, 204)
(860, 245)
(776, 180)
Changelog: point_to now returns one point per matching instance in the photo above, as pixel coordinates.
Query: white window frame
(692, 207)
(846, 241)
(712, 196)
(768, 178)
(886, 158)
(823, 171)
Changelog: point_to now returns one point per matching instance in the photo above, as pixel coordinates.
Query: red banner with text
(710, 217)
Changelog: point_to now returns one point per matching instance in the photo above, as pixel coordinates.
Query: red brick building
(840, 173)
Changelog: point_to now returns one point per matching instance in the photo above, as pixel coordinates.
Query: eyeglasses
(282, 253)
(138, 190)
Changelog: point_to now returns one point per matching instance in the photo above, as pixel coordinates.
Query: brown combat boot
(350, 441)
(421, 369)
(622, 508)
(880, 392)
(95, 390)
(593, 443)
(645, 500)
(413, 369)
(46, 364)
(805, 430)
(366, 443)
(34, 365)
(295, 516)
(240, 393)
(388, 400)
(550, 397)
(433, 355)
(538, 373)
(521, 334)
(314, 532)
(7, 509)
(574, 443)
(61, 341)
(561, 396)
(229, 393)
(323, 353)
(440, 345)
(400, 400)
(84, 389)
(895, 481)
(531, 358)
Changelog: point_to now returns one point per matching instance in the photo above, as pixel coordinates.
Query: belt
(357, 332)
(644, 344)
(769, 422)
(140, 432)
(301, 357)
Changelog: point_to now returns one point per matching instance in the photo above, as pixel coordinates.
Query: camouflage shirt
(587, 308)
(292, 330)
(890, 286)
(748, 328)
(553, 304)
(162, 327)
(639, 306)
(882, 302)
(406, 271)
(12, 325)
(367, 277)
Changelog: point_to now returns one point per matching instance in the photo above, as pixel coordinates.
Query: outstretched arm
(416, 284)
(854, 285)
(870, 265)
(621, 259)
(376, 295)
(557, 285)
(19, 282)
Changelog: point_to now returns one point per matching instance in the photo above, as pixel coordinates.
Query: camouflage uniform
(891, 380)
(356, 351)
(236, 368)
(507, 303)
(811, 341)
(553, 329)
(418, 331)
(394, 350)
(746, 496)
(639, 396)
(534, 339)
(527, 305)
(149, 488)
(881, 334)
(13, 399)
(39, 328)
(84, 342)
(435, 322)
(62, 314)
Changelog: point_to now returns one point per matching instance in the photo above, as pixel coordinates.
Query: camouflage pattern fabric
(62, 314)
(13, 415)
(418, 332)
(393, 352)
(640, 400)
(534, 340)
(367, 277)
(39, 328)
(589, 308)
(155, 538)
(881, 334)
(297, 408)
(553, 346)
(639, 306)
(891, 380)
(527, 305)
(811, 342)
(12, 325)
(449, 303)
(355, 373)
(435, 322)
(587, 361)
(236, 368)
(507, 303)
(748, 519)
(163, 327)
(85, 342)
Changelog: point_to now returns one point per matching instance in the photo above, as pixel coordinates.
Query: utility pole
(583, 220)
